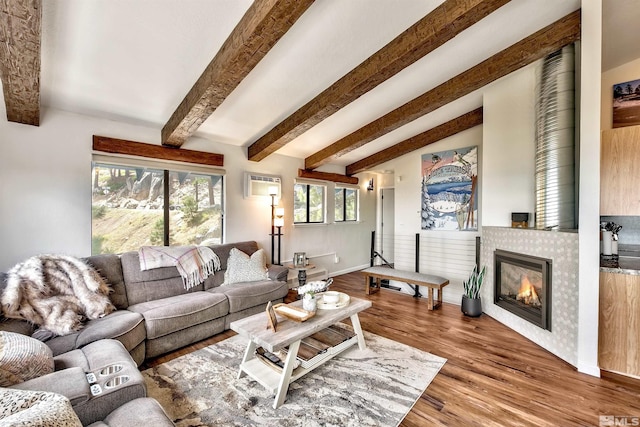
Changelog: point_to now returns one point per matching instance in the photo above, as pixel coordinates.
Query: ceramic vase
(471, 306)
(309, 302)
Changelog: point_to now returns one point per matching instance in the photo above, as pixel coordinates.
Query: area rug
(374, 387)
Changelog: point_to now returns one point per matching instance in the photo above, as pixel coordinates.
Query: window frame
(344, 190)
(166, 167)
(308, 185)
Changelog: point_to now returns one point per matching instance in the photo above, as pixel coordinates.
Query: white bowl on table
(331, 297)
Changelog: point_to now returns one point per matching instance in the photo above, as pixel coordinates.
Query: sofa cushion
(150, 285)
(278, 272)
(216, 279)
(184, 337)
(250, 294)
(110, 268)
(138, 412)
(71, 383)
(125, 326)
(22, 358)
(167, 315)
(17, 325)
(35, 408)
(248, 247)
(244, 268)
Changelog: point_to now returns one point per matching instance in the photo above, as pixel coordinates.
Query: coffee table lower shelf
(270, 378)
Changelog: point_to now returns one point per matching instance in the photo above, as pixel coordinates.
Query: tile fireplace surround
(562, 248)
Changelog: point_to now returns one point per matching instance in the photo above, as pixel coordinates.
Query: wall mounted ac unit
(258, 185)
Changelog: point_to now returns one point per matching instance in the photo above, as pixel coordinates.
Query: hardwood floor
(493, 375)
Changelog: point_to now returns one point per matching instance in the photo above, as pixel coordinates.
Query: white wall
(589, 206)
(509, 147)
(624, 73)
(45, 188)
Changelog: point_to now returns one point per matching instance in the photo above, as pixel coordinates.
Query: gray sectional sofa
(154, 315)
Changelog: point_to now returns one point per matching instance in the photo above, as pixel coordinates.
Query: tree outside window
(346, 204)
(129, 209)
(308, 203)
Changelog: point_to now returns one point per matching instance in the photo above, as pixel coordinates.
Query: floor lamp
(277, 221)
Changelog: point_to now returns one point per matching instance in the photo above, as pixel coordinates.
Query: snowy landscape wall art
(449, 190)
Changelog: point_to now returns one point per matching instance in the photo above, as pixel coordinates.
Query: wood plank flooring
(493, 375)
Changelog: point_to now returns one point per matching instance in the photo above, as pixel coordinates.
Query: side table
(302, 272)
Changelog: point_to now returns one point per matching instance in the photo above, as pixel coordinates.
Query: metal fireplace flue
(523, 286)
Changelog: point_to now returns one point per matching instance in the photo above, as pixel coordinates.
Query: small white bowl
(331, 297)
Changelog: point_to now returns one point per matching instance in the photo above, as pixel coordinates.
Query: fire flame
(527, 293)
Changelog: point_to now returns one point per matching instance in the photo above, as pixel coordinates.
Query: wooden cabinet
(620, 171)
(619, 335)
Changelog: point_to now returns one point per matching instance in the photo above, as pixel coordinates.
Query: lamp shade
(279, 212)
(278, 222)
(273, 191)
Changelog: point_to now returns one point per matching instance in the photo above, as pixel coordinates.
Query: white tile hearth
(562, 249)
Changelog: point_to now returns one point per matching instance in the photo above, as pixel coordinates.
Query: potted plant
(471, 301)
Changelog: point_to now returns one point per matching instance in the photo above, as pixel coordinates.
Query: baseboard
(349, 270)
(451, 299)
(588, 369)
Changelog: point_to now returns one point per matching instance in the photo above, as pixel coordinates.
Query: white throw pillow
(244, 268)
(23, 358)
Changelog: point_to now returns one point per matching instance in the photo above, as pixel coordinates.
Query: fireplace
(523, 286)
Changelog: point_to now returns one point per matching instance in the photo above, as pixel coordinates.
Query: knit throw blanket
(194, 263)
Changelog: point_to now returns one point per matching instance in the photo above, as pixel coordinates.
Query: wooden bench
(418, 279)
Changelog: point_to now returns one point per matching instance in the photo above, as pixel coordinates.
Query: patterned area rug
(374, 387)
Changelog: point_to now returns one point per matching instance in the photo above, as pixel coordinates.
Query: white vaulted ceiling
(135, 60)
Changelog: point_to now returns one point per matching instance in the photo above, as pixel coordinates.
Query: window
(129, 210)
(308, 203)
(346, 204)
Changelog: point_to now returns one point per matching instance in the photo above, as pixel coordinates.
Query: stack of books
(312, 349)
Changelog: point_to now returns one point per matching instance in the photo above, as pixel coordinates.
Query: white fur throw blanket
(55, 292)
(194, 263)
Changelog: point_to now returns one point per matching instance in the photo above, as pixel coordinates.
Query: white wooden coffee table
(290, 333)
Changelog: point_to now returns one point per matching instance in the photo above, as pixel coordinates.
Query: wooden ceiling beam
(442, 24)
(526, 51)
(142, 149)
(264, 23)
(445, 130)
(326, 176)
(20, 45)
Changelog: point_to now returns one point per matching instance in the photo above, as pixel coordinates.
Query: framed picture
(626, 104)
(271, 317)
(299, 259)
(449, 190)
